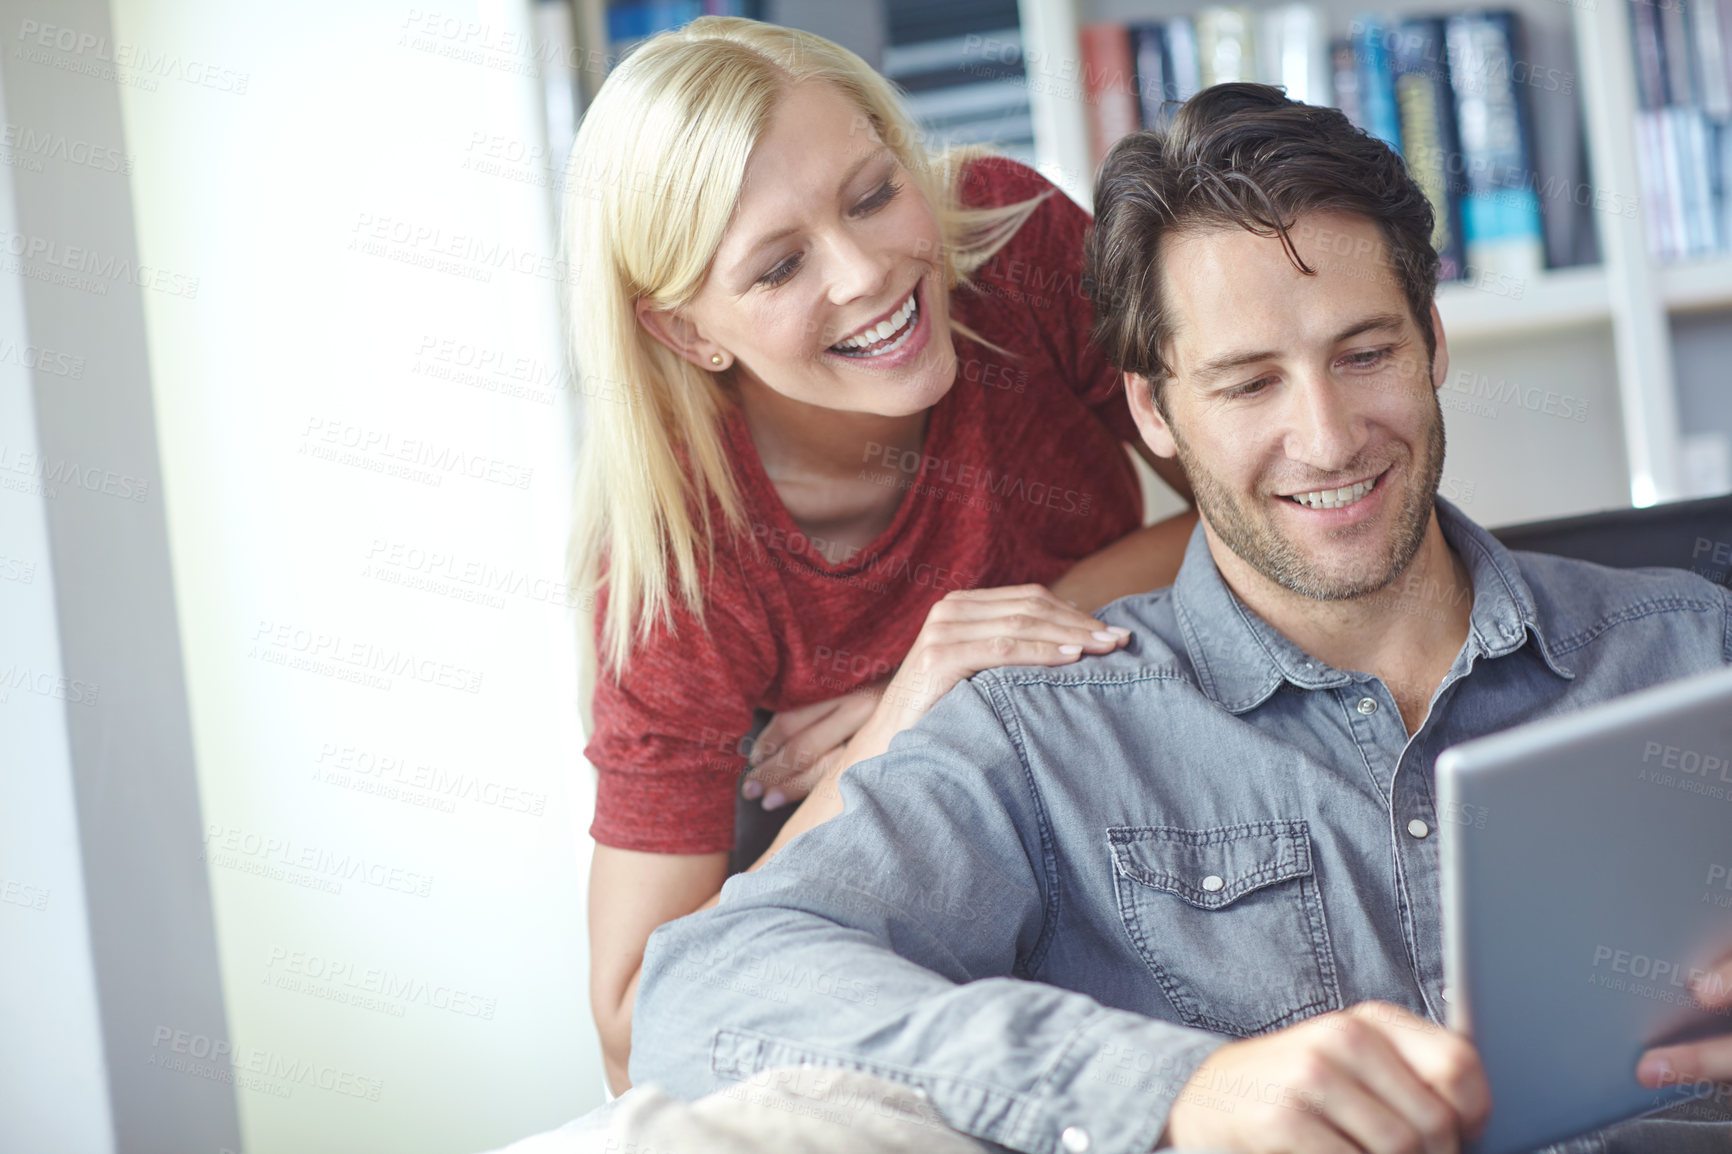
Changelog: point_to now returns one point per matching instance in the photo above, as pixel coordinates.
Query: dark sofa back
(1693, 535)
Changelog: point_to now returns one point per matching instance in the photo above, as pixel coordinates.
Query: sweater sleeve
(667, 745)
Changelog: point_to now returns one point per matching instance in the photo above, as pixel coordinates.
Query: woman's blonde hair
(653, 179)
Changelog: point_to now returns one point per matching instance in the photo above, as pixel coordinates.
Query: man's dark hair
(1245, 156)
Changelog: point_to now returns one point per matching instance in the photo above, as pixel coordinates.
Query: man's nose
(1324, 430)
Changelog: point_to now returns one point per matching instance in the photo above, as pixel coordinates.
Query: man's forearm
(884, 940)
(758, 983)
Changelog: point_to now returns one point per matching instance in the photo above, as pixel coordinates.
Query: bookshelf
(1613, 333)
(1628, 295)
(1697, 285)
(1562, 299)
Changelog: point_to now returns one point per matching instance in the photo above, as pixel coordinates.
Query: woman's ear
(680, 335)
(1157, 435)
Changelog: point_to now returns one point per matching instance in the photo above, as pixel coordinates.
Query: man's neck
(1406, 634)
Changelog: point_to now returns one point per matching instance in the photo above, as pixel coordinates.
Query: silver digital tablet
(1587, 876)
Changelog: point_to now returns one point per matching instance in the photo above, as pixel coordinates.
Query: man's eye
(781, 272)
(1367, 359)
(1250, 389)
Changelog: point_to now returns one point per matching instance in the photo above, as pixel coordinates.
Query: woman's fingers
(788, 724)
(948, 652)
(1028, 600)
(790, 771)
(799, 776)
(984, 628)
(1006, 616)
(919, 685)
(1018, 627)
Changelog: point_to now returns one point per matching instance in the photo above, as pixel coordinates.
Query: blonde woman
(845, 428)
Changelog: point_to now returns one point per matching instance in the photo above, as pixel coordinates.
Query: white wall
(1534, 426)
(377, 645)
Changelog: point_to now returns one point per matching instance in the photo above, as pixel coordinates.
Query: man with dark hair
(1187, 893)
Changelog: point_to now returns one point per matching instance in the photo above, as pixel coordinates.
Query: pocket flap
(1212, 868)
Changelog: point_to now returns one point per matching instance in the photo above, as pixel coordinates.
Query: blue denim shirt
(1057, 894)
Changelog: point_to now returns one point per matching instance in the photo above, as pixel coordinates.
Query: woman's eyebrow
(847, 179)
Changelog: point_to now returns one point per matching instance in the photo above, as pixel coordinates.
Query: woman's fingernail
(1119, 629)
(752, 789)
(1069, 649)
(775, 799)
(1103, 635)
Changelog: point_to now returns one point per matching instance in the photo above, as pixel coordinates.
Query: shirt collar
(1241, 659)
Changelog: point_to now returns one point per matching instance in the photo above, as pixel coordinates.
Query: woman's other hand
(799, 746)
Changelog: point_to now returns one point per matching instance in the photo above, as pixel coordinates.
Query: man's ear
(1156, 433)
(1439, 359)
(681, 335)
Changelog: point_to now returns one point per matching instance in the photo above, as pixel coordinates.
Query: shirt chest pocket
(1229, 920)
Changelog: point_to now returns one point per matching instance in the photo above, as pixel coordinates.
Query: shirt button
(1368, 705)
(1418, 828)
(1210, 883)
(1074, 1139)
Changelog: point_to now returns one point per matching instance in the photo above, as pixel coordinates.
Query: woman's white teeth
(1335, 498)
(884, 328)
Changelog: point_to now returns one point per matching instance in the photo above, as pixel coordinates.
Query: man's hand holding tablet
(1371, 1077)
(1709, 1060)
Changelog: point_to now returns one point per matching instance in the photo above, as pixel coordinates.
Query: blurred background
(292, 799)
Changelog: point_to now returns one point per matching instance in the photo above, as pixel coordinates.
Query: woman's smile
(892, 342)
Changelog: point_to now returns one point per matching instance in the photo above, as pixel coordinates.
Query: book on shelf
(1369, 38)
(1166, 65)
(1109, 85)
(1683, 124)
(1502, 234)
(1154, 72)
(1425, 101)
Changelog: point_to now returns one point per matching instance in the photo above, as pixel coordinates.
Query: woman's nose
(859, 268)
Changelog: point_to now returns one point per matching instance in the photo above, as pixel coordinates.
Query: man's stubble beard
(1260, 545)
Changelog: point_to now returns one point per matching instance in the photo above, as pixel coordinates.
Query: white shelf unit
(1628, 293)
